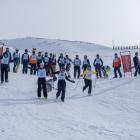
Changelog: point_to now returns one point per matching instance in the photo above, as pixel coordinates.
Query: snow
(112, 112)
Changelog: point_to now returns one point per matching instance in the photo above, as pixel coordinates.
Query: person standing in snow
(5, 60)
(87, 76)
(42, 81)
(33, 63)
(39, 59)
(98, 63)
(10, 57)
(136, 64)
(16, 60)
(68, 65)
(61, 61)
(25, 61)
(117, 65)
(77, 64)
(46, 62)
(62, 77)
(86, 62)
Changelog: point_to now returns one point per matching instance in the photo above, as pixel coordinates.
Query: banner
(1, 52)
(126, 62)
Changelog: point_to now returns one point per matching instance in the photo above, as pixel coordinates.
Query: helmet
(97, 55)
(136, 53)
(26, 50)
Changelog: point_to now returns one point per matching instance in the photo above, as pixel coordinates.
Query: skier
(98, 63)
(86, 62)
(25, 62)
(61, 61)
(39, 59)
(68, 65)
(53, 65)
(46, 63)
(136, 64)
(117, 66)
(16, 60)
(77, 64)
(87, 76)
(42, 81)
(10, 57)
(33, 62)
(5, 60)
(62, 77)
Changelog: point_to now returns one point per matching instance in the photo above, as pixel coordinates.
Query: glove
(73, 81)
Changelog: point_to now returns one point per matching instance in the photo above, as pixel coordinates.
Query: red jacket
(117, 62)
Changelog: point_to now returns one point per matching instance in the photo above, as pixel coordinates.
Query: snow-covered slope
(53, 45)
(112, 112)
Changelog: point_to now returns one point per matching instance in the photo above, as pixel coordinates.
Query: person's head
(62, 69)
(26, 50)
(115, 55)
(17, 50)
(7, 49)
(85, 56)
(77, 56)
(39, 53)
(97, 55)
(41, 65)
(46, 53)
(136, 53)
(67, 56)
(61, 54)
(33, 51)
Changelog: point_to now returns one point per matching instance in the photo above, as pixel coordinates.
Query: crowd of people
(46, 65)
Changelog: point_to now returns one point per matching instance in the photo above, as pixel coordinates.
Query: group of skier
(46, 65)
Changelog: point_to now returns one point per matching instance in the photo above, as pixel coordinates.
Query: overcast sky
(99, 21)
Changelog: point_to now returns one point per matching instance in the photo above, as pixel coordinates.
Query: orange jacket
(116, 62)
(33, 60)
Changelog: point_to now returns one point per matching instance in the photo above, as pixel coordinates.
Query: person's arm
(72, 81)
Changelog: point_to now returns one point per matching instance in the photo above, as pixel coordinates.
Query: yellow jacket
(87, 74)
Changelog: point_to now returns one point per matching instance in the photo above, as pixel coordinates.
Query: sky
(98, 21)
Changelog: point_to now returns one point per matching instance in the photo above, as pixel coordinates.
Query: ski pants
(33, 69)
(88, 84)
(15, 68)
(42, 85)
(98, 69)
(84, 67)
(137, 70)
(76, 72)
(61, 89)
(4, 72)
(25, 67)
(117, 69)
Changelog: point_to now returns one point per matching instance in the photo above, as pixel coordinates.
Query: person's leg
(115, 72)
(44, 87)
(119, 71)
(39, 88)
(63, 91)
(90, 86)
(86, 84)
(2, 74)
